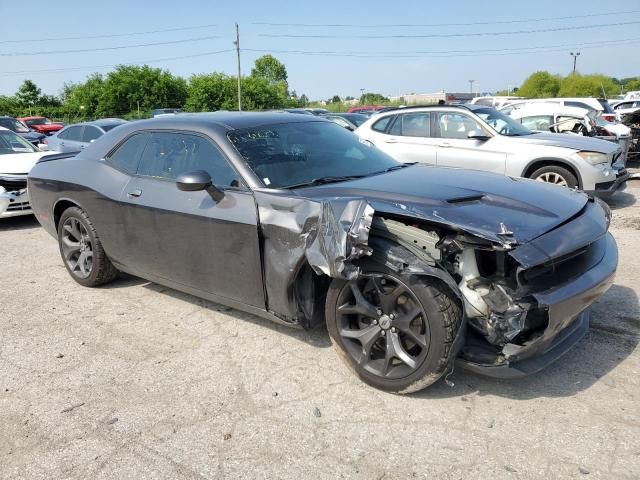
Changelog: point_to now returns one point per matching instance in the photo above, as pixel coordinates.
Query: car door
(188, 237)
(407, 138)
(455, 149)
(70, 140)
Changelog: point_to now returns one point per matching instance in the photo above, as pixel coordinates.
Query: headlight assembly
(594, 158)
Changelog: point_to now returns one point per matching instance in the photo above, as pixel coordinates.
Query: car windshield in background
(11, 143)
(606, 106)
(39, 121)
(14, 125)
(290, 154)
(111, 126)
(501, 123)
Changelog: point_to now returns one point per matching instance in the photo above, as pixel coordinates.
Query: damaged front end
(525, 303)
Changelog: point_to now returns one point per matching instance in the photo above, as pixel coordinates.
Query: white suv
(476, 137)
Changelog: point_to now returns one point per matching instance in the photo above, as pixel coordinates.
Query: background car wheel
(556, 175)
(82, 251)
(394, 331)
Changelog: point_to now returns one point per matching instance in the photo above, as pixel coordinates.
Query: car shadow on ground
(621, 200)
(23, 222)
(317, 337)
(613, 335)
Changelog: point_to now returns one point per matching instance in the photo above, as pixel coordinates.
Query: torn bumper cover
(561, 275)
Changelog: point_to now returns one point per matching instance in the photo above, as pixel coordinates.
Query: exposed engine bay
(481, 270)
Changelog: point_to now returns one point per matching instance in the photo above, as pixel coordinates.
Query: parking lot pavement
(135, 380)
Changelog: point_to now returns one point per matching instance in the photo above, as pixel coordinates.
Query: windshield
(39, 121)
(288, 154)
(110, 126)
(13, 124)
(11, 143)
(501, 123)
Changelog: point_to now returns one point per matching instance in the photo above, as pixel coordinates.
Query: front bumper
(568, 318)
(606, 189)
(13, 204)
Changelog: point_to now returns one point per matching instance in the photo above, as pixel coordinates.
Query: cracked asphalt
(135, 380)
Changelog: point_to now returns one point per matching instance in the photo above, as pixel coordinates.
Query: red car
(42, 125)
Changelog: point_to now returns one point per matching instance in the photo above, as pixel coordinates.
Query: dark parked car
(74, 138)
(21, 129)
(294, 219)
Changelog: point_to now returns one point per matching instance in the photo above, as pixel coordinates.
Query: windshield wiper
(395, 167)
(324, 180)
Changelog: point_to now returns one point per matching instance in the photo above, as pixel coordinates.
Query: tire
(424, 342)
(556, 176)
(81, 250)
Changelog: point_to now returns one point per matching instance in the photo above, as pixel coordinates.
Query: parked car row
(292, 218)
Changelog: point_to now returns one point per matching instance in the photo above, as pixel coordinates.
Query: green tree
(335, 99)
(211, 92)
(9, 106)
(269, 68)
(130, 87)
(373, 98)
(28, 94)
(540, 84)
(632, 84)
(81, 99)
(576, 85)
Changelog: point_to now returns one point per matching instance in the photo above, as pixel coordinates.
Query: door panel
(191, 239)
(456, 150)
(407, 140)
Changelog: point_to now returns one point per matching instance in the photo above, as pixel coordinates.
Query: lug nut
(393, 329)
(383, 333)
(392, 316)
(375, 322)
(379, 311)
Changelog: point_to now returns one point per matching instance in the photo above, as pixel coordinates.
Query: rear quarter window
(127, 156)
(382, 124)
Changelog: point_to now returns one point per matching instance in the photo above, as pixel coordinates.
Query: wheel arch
(60, 207)
(559, 162)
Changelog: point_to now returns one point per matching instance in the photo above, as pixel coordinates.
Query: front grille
(13, 185)
(18, 207)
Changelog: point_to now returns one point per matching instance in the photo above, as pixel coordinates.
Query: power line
(82, 50)
(497, 22)
(111, 35)
(453, 53)
(90, 67)
(449, 35)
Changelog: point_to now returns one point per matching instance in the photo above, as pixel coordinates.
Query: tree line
(543, 84)
(133, 91)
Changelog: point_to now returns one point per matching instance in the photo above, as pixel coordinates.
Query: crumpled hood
(567, 140)
(475, 202)
(19, 163)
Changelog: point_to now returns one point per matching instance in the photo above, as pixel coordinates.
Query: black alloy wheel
(383, 325)
(77, 248)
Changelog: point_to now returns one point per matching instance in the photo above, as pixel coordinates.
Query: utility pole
(237, 44)
(471, 86)
(575, 57)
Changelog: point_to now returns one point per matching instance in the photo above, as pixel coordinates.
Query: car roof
(447, 106)
(549, 108)
(228, 120)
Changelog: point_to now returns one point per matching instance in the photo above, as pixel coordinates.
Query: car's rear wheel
(394, 331)
(556, 175)
(81, 250)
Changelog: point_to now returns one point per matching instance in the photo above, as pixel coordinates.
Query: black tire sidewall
(434, 365)
(571, 179)
(79, 215)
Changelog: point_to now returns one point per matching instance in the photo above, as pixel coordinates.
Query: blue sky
(389, 65)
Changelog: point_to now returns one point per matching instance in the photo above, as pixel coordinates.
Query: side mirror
(478, 135)
(194, 181)
(197, 181)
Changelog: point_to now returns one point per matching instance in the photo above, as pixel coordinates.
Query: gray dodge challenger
(415, 269)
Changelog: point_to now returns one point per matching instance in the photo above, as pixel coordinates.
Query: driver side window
(456, 125)
(168, 155)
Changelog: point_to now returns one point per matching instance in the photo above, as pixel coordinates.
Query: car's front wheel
(396, 332)
(556, 175)
(81, 250)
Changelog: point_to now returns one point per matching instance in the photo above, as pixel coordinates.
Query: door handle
(391, 140)
(134, 194)
(445, 144)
